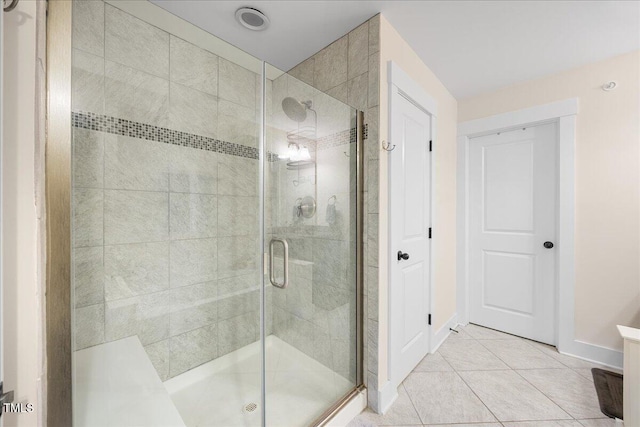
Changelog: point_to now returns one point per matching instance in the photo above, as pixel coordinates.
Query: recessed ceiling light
(252, 19)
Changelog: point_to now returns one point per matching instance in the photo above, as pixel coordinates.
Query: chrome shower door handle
(272, 274)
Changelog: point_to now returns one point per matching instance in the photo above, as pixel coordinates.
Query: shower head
(295, 109)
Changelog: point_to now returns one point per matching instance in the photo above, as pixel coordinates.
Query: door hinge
(429, 232)
(430, 145)
(429, 319)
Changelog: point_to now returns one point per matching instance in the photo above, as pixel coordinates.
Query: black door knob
(403, 256)
(548, 245)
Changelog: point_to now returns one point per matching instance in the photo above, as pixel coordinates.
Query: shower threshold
(226, 391)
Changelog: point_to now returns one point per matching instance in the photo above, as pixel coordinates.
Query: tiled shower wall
(348, 70)
(165, 202)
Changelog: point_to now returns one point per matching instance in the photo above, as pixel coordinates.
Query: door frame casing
(563, 113)
(402, 85)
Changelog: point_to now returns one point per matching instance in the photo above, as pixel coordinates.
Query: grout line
(509, 369)
(475, 394)
(545, 394)
(415, 408)
(455, 371)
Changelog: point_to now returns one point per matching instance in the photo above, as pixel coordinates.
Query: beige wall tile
(193, 348)
(135, 43)
(238, 216)
(193, 261)
(193, 215)
(193, 66)
(159, 355)
(88, 276)
(135, 216)
(87, 217)
(135, 164)
(331, 65)
(358, 50)
(89, 326)
(304, 71)
(237, 84)
(126, 89)
(194, 171)
(87, 82)
(88, 158)
(135, 269)
(88, 26)
(193, 111)
(358, 88)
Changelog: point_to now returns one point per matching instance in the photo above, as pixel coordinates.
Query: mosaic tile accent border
(335, 140)
(124, 127)
(341, 138)
(108, 124)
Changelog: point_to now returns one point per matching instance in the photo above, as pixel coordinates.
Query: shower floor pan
(226, 392)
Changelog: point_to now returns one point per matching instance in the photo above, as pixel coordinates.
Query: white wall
(394, 48)
(21, 319)
(607, 290)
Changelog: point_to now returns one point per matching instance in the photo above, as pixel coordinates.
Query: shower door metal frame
(58, 399)
(359, 248)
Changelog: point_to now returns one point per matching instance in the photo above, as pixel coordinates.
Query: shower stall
(215, 230)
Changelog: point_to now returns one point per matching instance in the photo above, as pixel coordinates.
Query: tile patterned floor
(485, 378)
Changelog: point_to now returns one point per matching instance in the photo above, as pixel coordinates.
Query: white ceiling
(472, 46)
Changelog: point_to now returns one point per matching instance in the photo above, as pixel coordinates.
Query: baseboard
(593, 353)
(386, 396)
(438, 338)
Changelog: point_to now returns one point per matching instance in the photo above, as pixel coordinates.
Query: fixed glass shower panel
(166, 242)
(310, 236)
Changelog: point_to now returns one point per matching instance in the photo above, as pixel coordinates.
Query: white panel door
(410, 217)
(512, 215)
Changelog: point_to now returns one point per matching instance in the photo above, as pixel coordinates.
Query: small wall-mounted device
(305, 207)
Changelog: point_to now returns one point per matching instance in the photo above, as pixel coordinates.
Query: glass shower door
(310, 171)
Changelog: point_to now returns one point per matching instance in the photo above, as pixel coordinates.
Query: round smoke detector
(252, 18)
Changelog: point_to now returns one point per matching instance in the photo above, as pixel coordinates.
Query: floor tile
(585, 372)
(401, 413)
(555, 423)
(482, 333)
(358, 422)
(511, 398)
(469, 355)
(442, 397)
(602, 422)
(569, 361)
(460, 335)
(433, 363)
(547, 389)
(574, 393)
(466, 425)
(518, 354)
